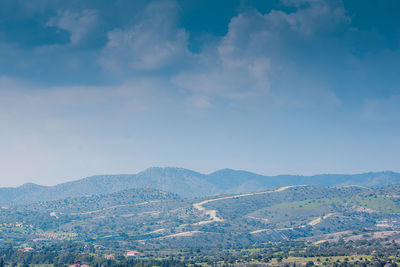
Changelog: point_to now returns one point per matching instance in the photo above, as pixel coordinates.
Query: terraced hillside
(150, 219)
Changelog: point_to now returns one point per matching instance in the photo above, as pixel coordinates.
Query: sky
(273, 87)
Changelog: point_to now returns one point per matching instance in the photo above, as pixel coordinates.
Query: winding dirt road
(213, 213)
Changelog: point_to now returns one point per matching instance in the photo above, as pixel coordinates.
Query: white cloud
(312, 16)
(152, 43)
(230, 79)
(78, 24)
(256, 53)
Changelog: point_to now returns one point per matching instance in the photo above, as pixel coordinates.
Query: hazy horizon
(272, 87)
(201, 172)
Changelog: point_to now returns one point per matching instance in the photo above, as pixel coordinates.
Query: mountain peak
(30, 185)
(168, 170)
(229, 171)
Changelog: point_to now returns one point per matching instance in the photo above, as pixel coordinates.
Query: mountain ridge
(186, 183)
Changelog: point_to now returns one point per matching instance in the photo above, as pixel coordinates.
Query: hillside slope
(148, 218)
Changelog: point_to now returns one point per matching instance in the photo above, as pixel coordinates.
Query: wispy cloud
(78, 24)
(152, 43)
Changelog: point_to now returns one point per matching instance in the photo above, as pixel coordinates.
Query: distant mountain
(186, 183)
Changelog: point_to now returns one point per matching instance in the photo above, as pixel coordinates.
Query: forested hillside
(307, 220)
(156, 219)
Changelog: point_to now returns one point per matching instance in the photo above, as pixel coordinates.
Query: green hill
(153, 219)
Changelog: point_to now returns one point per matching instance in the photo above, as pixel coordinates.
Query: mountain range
(186, 183)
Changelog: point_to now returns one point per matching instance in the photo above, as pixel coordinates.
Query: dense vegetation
(341, 253)
(350, 224)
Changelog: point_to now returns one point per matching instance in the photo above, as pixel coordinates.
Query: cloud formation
(129, 84)
(311, 17)
(154, 42)
(257, 51)
(78, 24)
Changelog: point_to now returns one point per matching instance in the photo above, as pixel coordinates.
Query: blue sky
(280, 86)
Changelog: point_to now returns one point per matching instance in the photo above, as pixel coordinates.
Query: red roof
(132, 253)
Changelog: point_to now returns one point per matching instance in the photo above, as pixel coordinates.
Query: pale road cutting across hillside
(115, 207)
(313, 222)
(189, 233)
(319, 219)
(213, 213)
